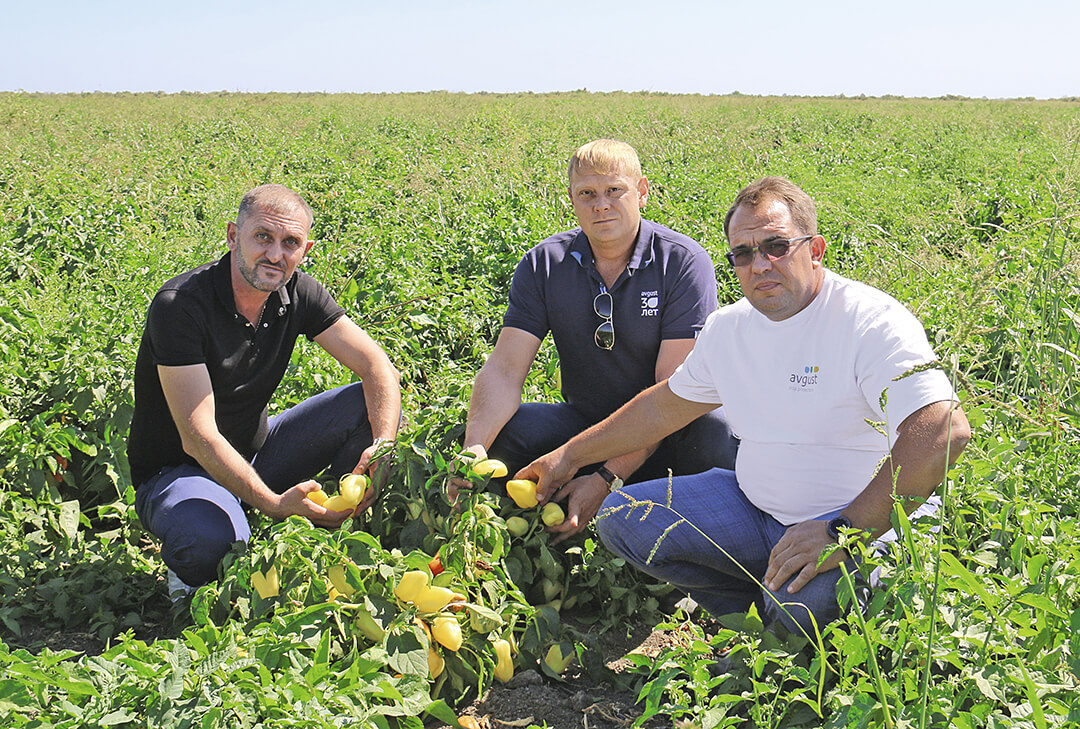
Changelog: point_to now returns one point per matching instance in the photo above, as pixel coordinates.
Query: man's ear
(817, 247)
(643, 191)
(232, 231)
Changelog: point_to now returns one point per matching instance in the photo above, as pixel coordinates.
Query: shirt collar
(640, 257)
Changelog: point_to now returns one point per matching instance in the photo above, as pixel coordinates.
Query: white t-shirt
(799, 392)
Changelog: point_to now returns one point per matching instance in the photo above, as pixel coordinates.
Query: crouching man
(216, 344)
(800, 364)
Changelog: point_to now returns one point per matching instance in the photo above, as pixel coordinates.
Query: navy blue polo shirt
(193, 320)
(666, 292)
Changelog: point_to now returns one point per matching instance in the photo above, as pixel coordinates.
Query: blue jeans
(722, 561)
(538, 428)
(198, 520)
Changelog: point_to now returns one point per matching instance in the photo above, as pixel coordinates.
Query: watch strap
(613, 481)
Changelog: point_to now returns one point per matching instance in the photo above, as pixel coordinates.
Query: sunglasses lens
(742, 256)
(602, 305)
(779, 249)
(605, 336)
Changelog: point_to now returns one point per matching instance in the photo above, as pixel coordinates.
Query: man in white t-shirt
(823, 379)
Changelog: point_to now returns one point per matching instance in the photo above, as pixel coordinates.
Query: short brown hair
(799, 204)
(276, 198)
(606, 156)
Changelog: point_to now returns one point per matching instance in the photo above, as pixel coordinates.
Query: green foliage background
(965, 210)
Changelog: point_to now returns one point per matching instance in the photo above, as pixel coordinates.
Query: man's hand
(550, 472)
(586, 494)
(478, 453)
(295, 501)
(798, 552)
(374, 461)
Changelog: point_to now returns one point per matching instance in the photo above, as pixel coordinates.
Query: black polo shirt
(193, 320)
(666, 292)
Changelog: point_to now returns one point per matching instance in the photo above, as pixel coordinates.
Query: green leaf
(320, 663)
(441, 711)
(69, 519)
(1043, 603)
(120, 716)
(482, 619)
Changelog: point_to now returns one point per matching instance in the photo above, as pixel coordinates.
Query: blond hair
(606, 156)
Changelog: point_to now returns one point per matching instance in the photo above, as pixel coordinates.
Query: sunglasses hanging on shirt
(604, 336)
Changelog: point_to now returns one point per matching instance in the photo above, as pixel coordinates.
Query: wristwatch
(613, 481)
(836, 524)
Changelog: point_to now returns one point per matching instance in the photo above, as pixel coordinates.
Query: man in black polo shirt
(217, 342)
(624, 299)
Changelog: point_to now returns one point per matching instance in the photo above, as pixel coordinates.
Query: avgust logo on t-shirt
(650, 303)
(806, 381)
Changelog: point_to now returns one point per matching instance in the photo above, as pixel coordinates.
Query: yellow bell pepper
(411, 586)
(433, 599)
(353, 486)
(318, 496)
(435, 662)
(447, 632)
(552, 514)
(556, 660)
(490, 467)
(523, 492)
(504, 665)
(267, 586)
(368, 627)
(338, 580)
(337, 502)
(517, 526)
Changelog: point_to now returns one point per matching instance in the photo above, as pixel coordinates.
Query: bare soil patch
(576, 702)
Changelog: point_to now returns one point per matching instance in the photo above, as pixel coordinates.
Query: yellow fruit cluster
(523, 492)
(351, 490)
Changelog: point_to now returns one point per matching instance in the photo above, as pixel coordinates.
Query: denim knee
(817, 598)
(198, 537)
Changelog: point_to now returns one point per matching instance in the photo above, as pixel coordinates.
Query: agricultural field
(968, 211)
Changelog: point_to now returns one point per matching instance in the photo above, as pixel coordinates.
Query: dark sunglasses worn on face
(772, 250)
(604, 337)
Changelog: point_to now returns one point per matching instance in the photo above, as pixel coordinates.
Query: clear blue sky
(992, 48)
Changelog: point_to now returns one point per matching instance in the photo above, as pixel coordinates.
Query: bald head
(274, 199)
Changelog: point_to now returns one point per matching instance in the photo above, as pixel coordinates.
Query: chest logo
(806, 381)
(650, 303)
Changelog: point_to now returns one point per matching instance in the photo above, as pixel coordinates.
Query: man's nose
(274, 251)
(761, 262)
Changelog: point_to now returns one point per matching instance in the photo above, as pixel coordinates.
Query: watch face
(835, 525)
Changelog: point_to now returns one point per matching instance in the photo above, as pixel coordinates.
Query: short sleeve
(694, 379)
(318, 309)
(176, 328)
(896, 366)
(527, 309)
(691, 298)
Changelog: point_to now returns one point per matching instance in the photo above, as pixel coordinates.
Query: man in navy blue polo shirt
(624, 299)
(216, 344)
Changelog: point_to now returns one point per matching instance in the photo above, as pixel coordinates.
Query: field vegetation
(968, 211)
